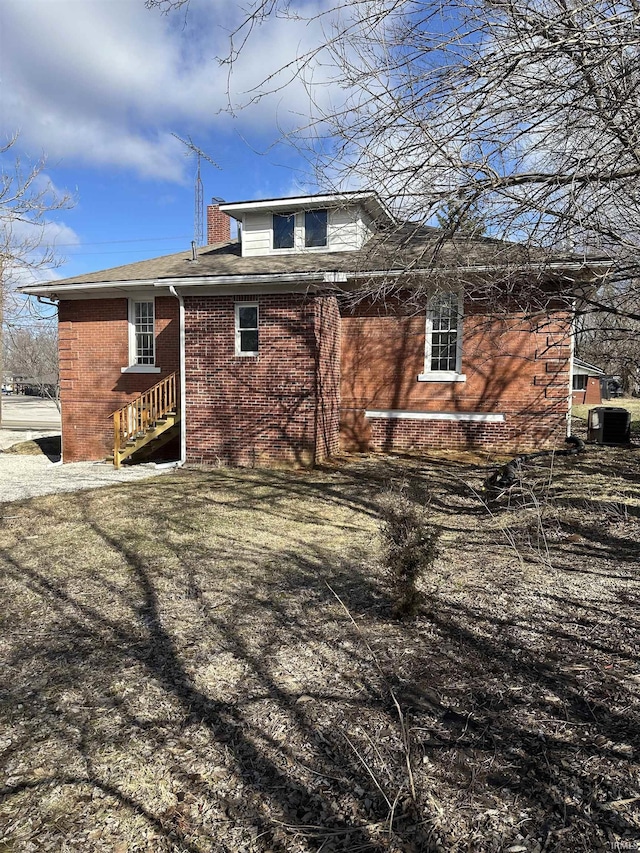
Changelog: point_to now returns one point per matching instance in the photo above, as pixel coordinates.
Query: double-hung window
(143, 324)
(142, 337)
(443, 340)
(246, 329)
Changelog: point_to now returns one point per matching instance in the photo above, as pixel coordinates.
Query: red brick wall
(218, 225)
(255, 410)
(592, 395)
(514, 367)
(286, 403)
(94, 346)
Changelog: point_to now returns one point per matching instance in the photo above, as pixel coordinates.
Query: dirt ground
(207, 662)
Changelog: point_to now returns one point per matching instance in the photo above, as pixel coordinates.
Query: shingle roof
(407, 247)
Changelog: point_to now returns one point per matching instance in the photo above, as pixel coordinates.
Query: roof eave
(301, 278)
(369, 200)
(265, 280)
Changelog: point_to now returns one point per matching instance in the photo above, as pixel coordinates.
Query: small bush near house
(410, 550)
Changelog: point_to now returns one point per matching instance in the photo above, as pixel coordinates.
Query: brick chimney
(218, 224)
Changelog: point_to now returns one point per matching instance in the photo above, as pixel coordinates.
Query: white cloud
(106, 81)
(32, 249)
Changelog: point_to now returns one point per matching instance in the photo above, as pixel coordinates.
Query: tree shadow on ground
(208, 663)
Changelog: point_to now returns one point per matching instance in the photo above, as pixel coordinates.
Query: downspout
(183, 380)
(44, 301)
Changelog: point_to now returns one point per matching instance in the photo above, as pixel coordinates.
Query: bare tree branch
(27, 199)
(528, 111)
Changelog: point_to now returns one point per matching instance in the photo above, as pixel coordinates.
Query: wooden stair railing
(141, 420)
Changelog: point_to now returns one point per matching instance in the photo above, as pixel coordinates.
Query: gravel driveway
(29, 476)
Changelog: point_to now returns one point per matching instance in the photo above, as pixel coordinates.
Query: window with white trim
(142, 336)
(315, 228)
(443, 339)
(246, 328)
(283, 226)
(143, 332)
(580, 381)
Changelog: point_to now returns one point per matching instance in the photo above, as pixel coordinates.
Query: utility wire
(113, 242)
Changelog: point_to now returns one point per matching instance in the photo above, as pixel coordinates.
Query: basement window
(246, 329)
(443, 339)
(142, 337)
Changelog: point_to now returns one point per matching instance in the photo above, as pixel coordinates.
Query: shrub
(410, 549)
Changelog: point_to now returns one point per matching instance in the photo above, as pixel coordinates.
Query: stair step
(144, 439)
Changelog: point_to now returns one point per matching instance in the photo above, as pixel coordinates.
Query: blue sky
(99, 86)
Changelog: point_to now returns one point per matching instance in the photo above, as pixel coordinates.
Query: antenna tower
(198, 200)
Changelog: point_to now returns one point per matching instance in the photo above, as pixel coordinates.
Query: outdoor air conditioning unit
(609, 425)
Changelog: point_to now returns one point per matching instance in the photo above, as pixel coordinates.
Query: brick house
(250, 351)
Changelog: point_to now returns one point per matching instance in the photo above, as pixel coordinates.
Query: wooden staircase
(152, 417)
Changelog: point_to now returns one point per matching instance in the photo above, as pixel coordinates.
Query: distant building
(588, 383)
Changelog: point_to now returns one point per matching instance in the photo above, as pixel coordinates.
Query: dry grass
(180, 673)
(49, 446)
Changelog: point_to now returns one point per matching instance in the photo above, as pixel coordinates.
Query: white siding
(348, 228)
(256, 234)
(367, 227)
(344, 229)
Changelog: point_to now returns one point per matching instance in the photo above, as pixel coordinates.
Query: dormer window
(283, 230)
(314, 224)
(315, 228)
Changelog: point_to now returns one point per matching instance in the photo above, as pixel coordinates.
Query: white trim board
(402, 414)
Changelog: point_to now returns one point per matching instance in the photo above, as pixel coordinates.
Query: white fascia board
(578, 370)
(370, 200)
(237, 210)
(584, 368)
(402, 414)
(326, 277)
(223, 282)
(237, 285)
(99, 288)
(248, 289)
(267, 278)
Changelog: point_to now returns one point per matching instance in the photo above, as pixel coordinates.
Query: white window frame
(430, 375)
(291, 215)
(133, 366)
(325, 245)
(584, 381)
(238, 337)
(299, 233)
